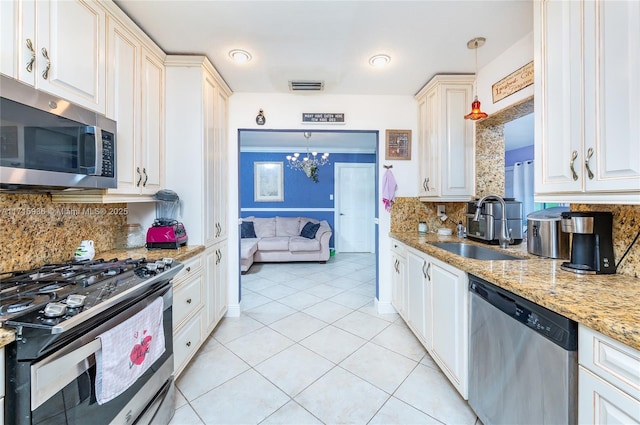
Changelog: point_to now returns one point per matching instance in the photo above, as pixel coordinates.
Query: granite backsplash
(407, 212)
(35, 231)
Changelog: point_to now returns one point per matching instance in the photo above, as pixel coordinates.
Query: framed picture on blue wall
(268, 182)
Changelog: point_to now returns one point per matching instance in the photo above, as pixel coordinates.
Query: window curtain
(522, 186)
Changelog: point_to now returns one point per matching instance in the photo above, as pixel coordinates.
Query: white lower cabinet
(608, 380)
(399, 288)
(216, 285)
(419, 290)
(450, 312)
(436, 309)
(188, 311)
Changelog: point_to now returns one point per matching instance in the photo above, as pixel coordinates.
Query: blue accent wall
(518, 155)
(299, 190)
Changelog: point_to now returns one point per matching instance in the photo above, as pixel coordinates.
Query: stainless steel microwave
(48, 143)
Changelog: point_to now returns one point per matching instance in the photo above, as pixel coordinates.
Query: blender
(166, 232)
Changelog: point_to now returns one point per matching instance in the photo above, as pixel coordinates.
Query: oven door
(63, 383)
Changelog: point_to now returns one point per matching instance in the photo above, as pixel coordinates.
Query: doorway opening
(353, 160)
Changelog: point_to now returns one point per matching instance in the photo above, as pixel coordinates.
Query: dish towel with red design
(128, 350)
(389, 187)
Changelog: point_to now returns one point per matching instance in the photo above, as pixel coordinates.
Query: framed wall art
(268, 182)
(398, 144)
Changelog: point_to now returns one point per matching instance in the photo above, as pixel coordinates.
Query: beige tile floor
(310, 348)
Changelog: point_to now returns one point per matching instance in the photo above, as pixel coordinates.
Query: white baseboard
(233, 310)
(384, 307)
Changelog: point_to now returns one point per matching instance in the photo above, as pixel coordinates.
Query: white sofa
(278, 239)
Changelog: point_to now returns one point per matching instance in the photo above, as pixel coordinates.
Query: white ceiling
(332, 41)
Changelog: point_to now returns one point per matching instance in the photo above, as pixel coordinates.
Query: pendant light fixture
(476, 113)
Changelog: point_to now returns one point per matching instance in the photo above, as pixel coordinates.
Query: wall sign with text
(513, 82)
(322, 118)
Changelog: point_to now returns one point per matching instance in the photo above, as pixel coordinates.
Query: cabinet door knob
(574, 155)
(586, 163)
(424, 269)
(45, 73)
(188, 269)
(32, 59)
(189, 344)
(189, 301)
(428, 276)
(139, 177)
(146, 177)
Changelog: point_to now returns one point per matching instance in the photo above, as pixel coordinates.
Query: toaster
(166, 235)
(487, 228)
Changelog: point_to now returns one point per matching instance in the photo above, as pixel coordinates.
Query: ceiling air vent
(306, 85)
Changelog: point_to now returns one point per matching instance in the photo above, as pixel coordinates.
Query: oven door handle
(53, 374)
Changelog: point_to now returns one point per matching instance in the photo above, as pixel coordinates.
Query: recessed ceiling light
(240, 56)
(379, 60)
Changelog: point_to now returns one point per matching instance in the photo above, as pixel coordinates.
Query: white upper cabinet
(586, 85)
(17, 44)
(135, 99)
(197, 102)
(58, 47)
(445, 139)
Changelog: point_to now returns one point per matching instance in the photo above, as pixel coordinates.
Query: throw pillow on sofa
(247, 230)
(309, 230)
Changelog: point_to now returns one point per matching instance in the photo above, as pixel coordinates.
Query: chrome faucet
(505, 235)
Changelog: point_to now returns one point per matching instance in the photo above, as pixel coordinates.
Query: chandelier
(310, 163)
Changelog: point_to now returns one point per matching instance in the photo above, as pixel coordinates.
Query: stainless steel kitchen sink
(474, 252)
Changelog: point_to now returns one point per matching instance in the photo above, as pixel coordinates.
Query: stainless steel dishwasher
(523, 360)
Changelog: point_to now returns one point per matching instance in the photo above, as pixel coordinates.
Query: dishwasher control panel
(553, 326)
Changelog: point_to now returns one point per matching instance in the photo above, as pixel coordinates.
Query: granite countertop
(183, 253)
(606, 303)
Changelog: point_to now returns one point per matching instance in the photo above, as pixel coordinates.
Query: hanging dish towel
(128, 350)
(389, 187)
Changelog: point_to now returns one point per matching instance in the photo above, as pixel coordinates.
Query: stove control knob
(55, 310)
(75, 300)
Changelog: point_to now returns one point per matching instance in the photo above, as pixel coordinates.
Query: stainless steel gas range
(61, 313)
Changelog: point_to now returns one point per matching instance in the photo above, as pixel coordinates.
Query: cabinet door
(450, 300)
(398, 282)
(612, 118)
(17, 44)
(558, 96)
(152, 123)
(216, 285)
(123, 103)
(457, 152)
(601, 403)
(416, 275)
(220, 163)
(221, 283)
(211, 179)
(430, 183)
(71, 51)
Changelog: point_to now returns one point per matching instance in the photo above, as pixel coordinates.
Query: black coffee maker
(591, 242)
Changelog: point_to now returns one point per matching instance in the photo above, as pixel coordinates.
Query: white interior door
(354, 207)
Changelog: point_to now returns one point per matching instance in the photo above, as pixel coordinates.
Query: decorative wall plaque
(322, 118)
(514, 82)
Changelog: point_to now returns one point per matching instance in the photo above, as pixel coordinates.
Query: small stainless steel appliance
(57, 312)
(167, 232)
(48, 143)
(544, 233)
(523, 361)
(591, 242)
(487, 228)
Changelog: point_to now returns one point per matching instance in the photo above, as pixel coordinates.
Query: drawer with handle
(186, 341)
(187, 298)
